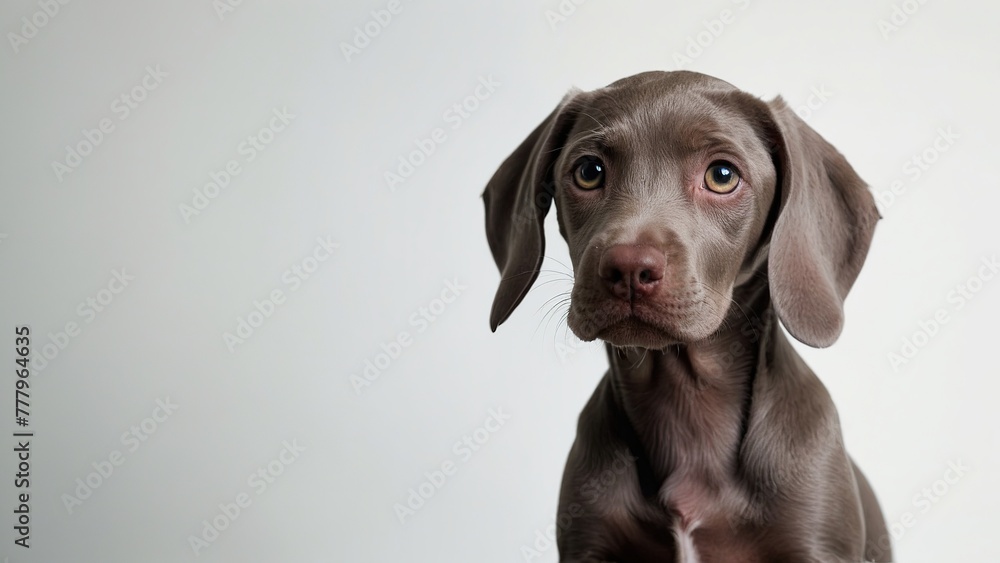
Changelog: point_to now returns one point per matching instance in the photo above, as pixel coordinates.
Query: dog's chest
(690, 504)
(689, 500)
(705, 518)
(695, 500)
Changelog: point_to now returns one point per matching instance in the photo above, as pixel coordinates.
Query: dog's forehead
(680, 110)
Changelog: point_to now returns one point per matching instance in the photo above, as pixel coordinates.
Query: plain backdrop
(275, 421)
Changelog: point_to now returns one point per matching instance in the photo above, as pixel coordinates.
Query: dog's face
(672, 189)
(662, 195)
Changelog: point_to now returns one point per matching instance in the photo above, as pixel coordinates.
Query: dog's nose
(632, 271)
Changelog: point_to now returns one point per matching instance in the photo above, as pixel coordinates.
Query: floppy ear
(824, 227)
(517, 199)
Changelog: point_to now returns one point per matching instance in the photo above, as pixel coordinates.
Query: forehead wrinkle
(688, 135)
(692, 122)
(595, 139)
(612, 136)
(588, 130)
(710, 142)
(620, 119)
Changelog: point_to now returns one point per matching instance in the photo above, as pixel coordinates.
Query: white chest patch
(687, 498)
(686, 552)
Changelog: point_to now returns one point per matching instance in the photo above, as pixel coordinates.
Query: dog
(697, 217)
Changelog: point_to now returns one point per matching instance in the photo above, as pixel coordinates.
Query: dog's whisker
(569, 270)
(551, 314)
(561, 296)
(543, 321)
(556, 272)
(540, 284)
(561, 323)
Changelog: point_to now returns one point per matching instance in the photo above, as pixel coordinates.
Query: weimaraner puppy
(697, 217)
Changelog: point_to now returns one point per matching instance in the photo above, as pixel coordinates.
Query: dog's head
(672, 189)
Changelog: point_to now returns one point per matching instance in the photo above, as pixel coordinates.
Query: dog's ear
(517, 199)
(823, 230)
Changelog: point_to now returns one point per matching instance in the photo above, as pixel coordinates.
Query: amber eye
(721, 177)
(589, 174)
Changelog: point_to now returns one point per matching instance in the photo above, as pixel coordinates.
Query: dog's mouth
(633, 330)
(682, 314)
(622, 324)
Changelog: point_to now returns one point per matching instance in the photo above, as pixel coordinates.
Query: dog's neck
(686, 406)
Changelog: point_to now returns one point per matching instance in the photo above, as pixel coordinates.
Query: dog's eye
(721, 177)
(589, 174)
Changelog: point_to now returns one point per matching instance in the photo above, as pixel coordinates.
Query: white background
(161, 337)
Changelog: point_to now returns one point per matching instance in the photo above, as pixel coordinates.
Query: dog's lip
(636, 329)
(645, 324)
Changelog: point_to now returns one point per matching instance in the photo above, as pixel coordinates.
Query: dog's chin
(637, 333)
(626, 328)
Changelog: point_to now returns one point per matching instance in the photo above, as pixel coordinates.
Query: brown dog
(697, 217)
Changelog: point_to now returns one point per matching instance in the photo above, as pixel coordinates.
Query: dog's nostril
(645, 276)
(616, 276)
